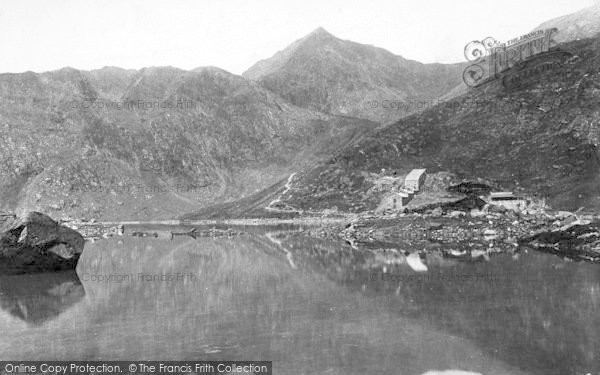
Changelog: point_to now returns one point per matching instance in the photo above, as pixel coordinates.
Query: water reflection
(37, 298)
(314, 306)
(533, 310)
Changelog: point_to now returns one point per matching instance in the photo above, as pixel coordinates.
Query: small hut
(508, 200)
(394, 201)
(415, 179)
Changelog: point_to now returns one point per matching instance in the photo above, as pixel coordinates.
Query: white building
(415, 179)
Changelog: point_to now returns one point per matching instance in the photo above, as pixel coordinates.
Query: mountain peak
(211, 70)
(319, 33)
(315, 38)
(323, 73)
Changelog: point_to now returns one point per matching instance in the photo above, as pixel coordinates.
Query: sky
(42, 35)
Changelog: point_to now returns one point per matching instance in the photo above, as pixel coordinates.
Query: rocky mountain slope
(327, 74)
(126, 144)
(536, 130)
(579, 25)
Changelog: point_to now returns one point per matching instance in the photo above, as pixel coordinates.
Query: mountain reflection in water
(314, 306)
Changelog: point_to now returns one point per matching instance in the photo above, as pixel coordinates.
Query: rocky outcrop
(467, 204)
(577, 240)
(36, 243)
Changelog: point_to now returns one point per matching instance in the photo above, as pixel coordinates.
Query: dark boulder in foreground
(36, 243)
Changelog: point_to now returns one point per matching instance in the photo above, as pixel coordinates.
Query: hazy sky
(43, 35)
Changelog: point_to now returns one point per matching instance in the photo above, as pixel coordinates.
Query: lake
(312, 306)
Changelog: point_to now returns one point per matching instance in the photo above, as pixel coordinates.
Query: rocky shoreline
(36, 243)
(456, 230)
(459, 234)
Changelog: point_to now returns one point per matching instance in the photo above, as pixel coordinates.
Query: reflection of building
(508, 200)
(415, 179)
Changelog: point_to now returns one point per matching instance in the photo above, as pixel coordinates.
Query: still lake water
(309, 305)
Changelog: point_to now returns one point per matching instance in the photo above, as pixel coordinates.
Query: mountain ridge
(65, 134)
(582, 24)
